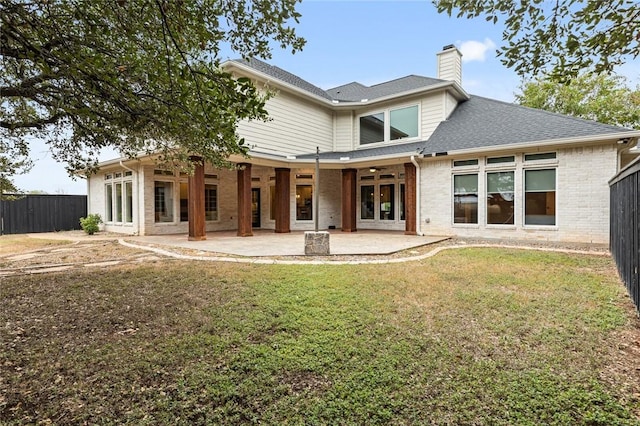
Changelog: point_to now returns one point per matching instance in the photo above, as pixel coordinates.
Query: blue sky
(365, 41)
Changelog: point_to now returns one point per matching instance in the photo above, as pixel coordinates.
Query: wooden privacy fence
(625, 227)
(41, 213)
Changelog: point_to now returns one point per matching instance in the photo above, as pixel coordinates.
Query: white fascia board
(534, 145)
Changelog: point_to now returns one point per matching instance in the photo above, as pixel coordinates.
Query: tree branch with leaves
(140, 76)
(559, 38)
(598, 97)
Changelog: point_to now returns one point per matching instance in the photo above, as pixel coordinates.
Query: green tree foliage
(598, 97)
(561, 37)
(13, 161)
(135, 75)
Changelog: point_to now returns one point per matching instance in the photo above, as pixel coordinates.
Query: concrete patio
(267, 243)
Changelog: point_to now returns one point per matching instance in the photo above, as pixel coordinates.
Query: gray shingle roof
(352, 92)
(482, 122)
(476, 123)
(284, 76)
(355, 92)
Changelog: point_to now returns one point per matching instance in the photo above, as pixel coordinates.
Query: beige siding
(296, 127)
(344, 131)
(432, 108)
(582, 198)
(450, 66)
(450, 105)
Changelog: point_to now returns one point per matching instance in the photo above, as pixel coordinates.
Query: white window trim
(110, 179)
(539, 165)
(376, 182)
(175, 204)
(387, 126)
(486, 196)
(465, 172)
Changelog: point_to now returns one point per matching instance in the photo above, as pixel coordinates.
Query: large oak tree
(135, 75)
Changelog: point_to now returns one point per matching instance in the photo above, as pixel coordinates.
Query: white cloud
(473, 50)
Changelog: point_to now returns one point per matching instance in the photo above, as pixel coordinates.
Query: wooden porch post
(349, 200)
(282, 201)
(197, 225)
(244, 200)
(410, 199)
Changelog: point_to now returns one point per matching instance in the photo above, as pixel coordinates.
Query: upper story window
(389, 125)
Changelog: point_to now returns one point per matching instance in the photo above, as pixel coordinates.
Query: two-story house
(415, 154)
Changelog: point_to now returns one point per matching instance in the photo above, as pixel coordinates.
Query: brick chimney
(450, 64)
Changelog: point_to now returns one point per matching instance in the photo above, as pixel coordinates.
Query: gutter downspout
(418, 206)
(136, 198)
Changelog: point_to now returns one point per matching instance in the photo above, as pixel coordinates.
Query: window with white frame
(389, 125)
(128, 202)
(540, 197)
(500, 198)
(163, 201)
(367, 202)
(465, 198)
(382, 197)
(118, 198)
(108, 201)
(387, 201)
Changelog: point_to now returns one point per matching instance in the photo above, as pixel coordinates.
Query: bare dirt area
(24, 254)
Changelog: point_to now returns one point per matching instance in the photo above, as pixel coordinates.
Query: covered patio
(267, 243)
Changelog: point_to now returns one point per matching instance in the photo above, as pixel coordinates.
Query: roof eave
(536, 145)
(293, 162)
(458, 92)
(275, 81)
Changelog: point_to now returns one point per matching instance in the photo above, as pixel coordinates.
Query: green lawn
(473, 336)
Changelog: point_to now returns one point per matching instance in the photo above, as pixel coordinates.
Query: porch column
(282, 201)
(349, 200)
(197, 225)
(410, 199)
(244, 200)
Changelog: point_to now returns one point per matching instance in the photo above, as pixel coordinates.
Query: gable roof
(351, 92)
(284, 76)
(482, 122)
(355, 92)
(476, 122)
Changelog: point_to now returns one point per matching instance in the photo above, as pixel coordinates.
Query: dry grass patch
(474, 336)
(16, 244)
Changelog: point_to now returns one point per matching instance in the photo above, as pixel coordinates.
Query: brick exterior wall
(582, 197)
